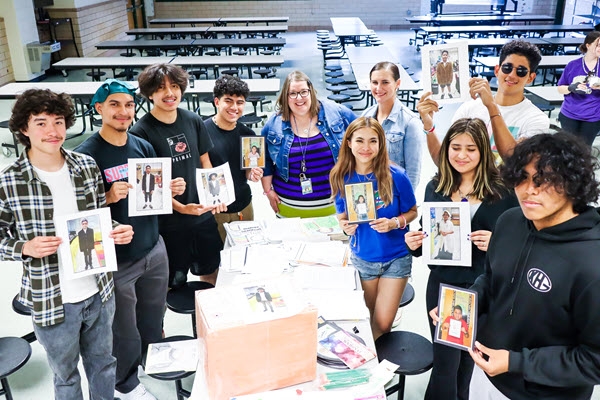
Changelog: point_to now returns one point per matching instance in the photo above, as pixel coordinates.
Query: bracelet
(405, 223)
(397, 221)
(268, 191)
(426, 131)
(494, 116)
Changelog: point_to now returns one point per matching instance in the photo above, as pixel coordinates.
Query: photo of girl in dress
(361, 207)
(252, 152)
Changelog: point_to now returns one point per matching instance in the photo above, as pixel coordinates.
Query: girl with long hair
(378, 251)
(466, 173)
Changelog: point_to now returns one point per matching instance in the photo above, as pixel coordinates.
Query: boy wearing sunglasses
(508, 115)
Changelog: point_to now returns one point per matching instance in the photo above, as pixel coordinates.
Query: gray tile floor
(34, 380)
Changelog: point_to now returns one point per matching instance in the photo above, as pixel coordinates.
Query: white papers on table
(332, 253)
(245, 233)
(338, 304)
(265, 260)
(296, 394)
(181, 355)
(241, 304)
(321, 277)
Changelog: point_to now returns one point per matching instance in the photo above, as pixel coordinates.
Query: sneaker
(449, 95)
(397, 319)
(139, 393)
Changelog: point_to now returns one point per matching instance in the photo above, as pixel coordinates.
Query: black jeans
(582, 129)
(452, 368)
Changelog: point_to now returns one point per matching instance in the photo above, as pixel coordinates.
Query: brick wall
(6, 69)
(304, 15)
(92, 24)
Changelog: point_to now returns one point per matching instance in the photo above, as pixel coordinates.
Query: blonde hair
(346, 163)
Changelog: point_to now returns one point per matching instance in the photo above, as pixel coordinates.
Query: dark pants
(140, 296)
(147, 197)
(87, 256)
(582, 129)
(452, 368)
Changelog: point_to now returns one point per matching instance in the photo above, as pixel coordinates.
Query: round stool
(413, 353)
(212, 53)
(127, 54)
(332, 67)
(250, 119)
(182, 300)
(96, 75)
(334, 74)
(176, 376)
(338, 98)
(408, 296)
(8, 146)
(263, 72)
(335, 81)
(336, 88)
(267, 52)
(232, 72)
(14, 353)
(240, 52)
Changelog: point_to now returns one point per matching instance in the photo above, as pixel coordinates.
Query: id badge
(306, 184)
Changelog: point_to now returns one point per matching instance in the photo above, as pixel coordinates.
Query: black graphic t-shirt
(184, 141)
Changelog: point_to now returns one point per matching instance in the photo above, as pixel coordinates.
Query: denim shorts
(400, 267)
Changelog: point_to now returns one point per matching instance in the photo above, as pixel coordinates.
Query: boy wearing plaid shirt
(71, 317)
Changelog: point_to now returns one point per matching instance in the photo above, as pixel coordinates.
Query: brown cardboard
(258, 357)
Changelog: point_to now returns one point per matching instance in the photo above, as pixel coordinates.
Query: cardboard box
(258, 357)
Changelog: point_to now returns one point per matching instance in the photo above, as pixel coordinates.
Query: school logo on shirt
(539, 280)
(378, 202)
(116, 173)
(180, 150)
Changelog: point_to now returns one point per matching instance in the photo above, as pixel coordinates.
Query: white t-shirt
(65, 202)
(523, 119)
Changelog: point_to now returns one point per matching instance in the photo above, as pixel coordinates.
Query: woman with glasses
(580, 83)
(303, 140)
(403, 129)
(466, 174)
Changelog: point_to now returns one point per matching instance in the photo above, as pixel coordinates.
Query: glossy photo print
(446, 72)
(447, 225)
(457, 309)
(253, 152)
(360, 202)
(151, 181)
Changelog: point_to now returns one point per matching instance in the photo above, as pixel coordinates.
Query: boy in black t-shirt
(230, 95)
(190, 233)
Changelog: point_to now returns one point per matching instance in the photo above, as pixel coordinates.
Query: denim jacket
(404, 134)
(332, 121)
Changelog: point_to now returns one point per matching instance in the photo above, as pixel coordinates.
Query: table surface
(547, 61)
(548, 94)
(144, 44)
(468, 19)
(494, 42)
(109, 62)
(232, 20)
(349, 27)
(506, 28)
(84, 89)
(228, 60)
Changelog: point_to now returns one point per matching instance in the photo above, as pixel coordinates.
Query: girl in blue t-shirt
(378, 249)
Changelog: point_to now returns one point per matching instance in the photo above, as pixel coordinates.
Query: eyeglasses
(508, 67)
(303, 93)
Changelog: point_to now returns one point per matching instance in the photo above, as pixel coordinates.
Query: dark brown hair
(35, 102)
(154, 75)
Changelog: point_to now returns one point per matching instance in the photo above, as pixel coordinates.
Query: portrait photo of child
(360, 202)
(457, 309)
(253, 148)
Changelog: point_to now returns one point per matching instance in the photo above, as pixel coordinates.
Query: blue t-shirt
(368, 244)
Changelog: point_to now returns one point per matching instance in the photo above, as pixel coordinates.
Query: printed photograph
(151, 180)
(447, 225)
(457, 309)
(448, 67)
(215, 185)
(360, 202)
(86, 247)
(253, 149)
(264, 298)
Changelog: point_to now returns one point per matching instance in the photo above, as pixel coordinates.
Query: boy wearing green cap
(141, 280)
(72, 318)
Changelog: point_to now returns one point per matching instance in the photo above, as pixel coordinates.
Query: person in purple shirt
(580, 83)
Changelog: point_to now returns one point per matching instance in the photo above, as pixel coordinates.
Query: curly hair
(35, 102)
(522, 48)
(562, 161)
(487, 182)
(154, 75)
(230, 85)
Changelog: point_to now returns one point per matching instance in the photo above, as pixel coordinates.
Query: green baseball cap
(111, 86)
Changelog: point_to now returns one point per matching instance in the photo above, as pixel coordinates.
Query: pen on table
(245, 256)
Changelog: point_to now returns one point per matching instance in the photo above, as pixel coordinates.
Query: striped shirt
(26, 211)
(319, 162)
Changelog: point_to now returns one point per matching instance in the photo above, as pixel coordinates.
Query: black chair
(14, 353)
(176, 376)
(410, 351)
(408, 296)
(22, 310)
(9, 146)
(182, 300)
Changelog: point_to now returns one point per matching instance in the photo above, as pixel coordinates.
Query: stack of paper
(245, 233)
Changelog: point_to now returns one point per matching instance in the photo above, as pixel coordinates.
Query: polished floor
(34, 380)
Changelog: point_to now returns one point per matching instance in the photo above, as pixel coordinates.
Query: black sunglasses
(508, 67)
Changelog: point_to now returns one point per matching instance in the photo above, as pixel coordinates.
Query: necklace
(215, 122)
(368, 177)
(589, 72)
(465, 197)
(305, 131)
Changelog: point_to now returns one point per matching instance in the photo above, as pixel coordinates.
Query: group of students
(537, 305)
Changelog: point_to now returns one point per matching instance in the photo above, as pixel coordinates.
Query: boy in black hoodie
(539, 294)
